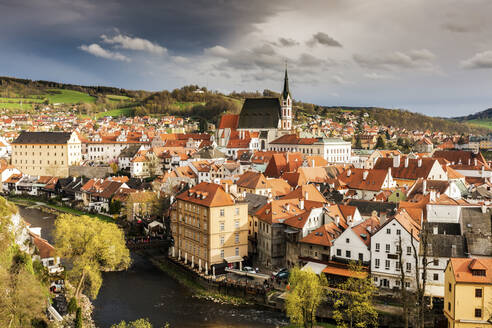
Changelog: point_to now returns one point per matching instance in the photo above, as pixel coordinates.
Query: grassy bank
(24, 201)
(195, 287)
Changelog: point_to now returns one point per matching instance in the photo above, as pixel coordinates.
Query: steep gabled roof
(323, 236)
(252, 180)
(207, 194)
(42, 138)
(260, 113)
(416, 168)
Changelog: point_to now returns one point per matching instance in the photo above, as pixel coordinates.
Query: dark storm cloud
(287, 42)
(323, 39)
(184, 26)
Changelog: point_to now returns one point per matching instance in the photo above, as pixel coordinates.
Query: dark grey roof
(42, 138)
(129, 151)
(255, 202)
(259, 113)
(286, 92)
(477, 230)
(446, 245)
(444, 228)
(366, 207)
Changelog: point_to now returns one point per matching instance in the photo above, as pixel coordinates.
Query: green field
(187, 104)
(56, 96)
(15, 105)
(116, 112)
(117, 98)
(24, 100)
(487, 123)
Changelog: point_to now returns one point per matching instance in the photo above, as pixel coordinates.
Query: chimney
(244, 194)
(406, 161)
(419, 162)
(301, 203)
(227, 188)
(484, 209)
(432, 197)
(483, 171)
(475, 161)
(287, 207)
(364, 175)
(337, 220)
(396, 161)
(270, 197)
(454, 253)
(424, 187)
(306, 195)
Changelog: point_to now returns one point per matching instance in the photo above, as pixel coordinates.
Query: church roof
(286, 92)
(260, 113)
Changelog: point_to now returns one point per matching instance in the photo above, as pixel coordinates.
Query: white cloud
(479, 60)
(378, 76)
(415, 59)
(218, 51)
(98, 51)
(126, 42)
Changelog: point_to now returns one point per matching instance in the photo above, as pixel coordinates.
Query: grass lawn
(24, 100)
(29, 202)
(187, 104)
(68, 96)
(117, 98)
(487, 123)
(116, 112)
(15, 105)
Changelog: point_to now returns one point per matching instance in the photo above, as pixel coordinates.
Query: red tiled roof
(207, 194)
(229, 121)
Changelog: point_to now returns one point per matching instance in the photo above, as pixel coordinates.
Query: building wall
(460, 302)
(349, 241)
(47, 160)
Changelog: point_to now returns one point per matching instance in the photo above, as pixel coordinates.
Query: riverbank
(53, 208)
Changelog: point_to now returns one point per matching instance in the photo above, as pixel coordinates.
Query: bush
(72, 305)
(78, 318)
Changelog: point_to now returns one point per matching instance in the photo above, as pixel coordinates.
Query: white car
(249, 269)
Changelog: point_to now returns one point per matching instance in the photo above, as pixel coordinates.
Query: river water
(143, 291)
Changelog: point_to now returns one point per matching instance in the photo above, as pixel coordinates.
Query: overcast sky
(433, 57)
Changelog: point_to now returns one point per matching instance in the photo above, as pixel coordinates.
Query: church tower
(286, 106)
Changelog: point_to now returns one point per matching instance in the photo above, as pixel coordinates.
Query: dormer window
(478, 273)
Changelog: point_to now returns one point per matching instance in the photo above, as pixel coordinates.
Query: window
(347, 254)
(407, 284)
(388, 231)
(376, 263)
(221, 253)
(397, 266)
(339, 252)
(237, 251)
(449, 306)
(361, 257)
(478, 292)
(409, 267)
(377, 247)
(435, 262)
(398, 232)
(236, 224)
(222, 226)
(236, 238)
(237, 210)
(409, 250)
(478, 313)
(221, 240)
(222, 212)
(449, 287)
(388, 248)
(436, 276)
(347, 240)
(387, 264)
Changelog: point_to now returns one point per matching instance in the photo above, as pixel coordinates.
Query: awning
(291, 230)
(154, 224)
(344, 272)
(233, 259)
(315, 267)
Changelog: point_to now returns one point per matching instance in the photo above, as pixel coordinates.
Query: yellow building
(468, 292)
(209, 227)
(46, 153)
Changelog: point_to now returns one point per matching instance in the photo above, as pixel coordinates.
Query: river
(143, 291)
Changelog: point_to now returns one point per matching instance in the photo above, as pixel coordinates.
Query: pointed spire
(286, 91)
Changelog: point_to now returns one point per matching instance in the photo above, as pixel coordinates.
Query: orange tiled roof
(462, 269)
(207, 194)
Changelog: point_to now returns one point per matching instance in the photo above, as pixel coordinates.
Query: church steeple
(286, 91)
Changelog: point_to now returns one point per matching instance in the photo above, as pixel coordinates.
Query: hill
(483, 118)
(18, 95)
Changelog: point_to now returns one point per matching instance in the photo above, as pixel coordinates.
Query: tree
(380, 143)
(22, 294)
(307, 291)
(421, 277)
(140, 323)
(403, 291)
(78, 318)
(353, 307)
(92, 246)
(358, 142)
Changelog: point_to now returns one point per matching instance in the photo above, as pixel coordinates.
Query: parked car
(283, 275)
(249, 269)
(275, 273)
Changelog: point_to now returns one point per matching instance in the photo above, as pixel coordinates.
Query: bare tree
(421, 279)
(403, 290)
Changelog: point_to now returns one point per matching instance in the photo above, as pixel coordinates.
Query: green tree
(358, 142)
(78, 318)
(140, 323)
(353, 307)
(92, 246)
(380, 143)
(307, 291)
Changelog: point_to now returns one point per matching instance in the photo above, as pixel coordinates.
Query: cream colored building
(468, 292)
(209, 227)
(46, 153)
